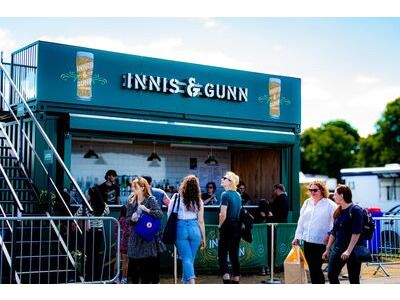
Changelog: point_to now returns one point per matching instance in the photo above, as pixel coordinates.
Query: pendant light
(211, 161)
(91, 154)
(154, 156)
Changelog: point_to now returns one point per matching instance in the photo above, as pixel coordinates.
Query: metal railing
(26, 141)
(385, 244)
(41, 256)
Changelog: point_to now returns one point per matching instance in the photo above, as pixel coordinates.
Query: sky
(349, 67)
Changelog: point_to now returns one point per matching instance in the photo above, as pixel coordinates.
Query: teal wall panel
(57, 83)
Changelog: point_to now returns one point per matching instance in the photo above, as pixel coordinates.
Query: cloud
(362, 79)
(321, 104)
(7, 43)
(365, 109)
(212, 24)
(171, 48)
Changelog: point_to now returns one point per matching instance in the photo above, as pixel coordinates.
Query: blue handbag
(147, 227)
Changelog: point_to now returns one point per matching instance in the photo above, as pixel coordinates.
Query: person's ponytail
(336, 214)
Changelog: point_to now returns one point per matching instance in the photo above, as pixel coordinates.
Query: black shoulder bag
(169, 234)
(246, 221)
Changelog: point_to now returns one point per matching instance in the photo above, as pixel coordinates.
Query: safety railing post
(175, 267)
(272, 280)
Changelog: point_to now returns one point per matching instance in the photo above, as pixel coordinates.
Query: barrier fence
(385, 244)
(49, 250)
(52, 250)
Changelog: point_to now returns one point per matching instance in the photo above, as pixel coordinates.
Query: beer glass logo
(274, 97)
(84, 70)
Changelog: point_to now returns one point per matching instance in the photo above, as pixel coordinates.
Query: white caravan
(377, 187)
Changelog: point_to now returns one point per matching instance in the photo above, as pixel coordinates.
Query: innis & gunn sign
(187, 87)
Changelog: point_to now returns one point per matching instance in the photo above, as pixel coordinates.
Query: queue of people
(329, 230)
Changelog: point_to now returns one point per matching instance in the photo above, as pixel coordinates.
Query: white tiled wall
(132, 160)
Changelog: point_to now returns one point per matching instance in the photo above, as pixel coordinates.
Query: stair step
(17, 190)
(8, 167)
(8, 157)
(22, 201)
(16, 178)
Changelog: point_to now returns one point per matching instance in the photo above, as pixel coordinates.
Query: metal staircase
(33, 247)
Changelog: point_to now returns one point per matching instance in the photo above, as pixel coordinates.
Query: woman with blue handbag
(143, 244)
(190, 231)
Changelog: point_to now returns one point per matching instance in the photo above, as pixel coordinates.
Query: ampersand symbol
(192, 88)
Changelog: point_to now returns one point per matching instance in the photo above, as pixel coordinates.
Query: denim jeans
(336, 264)
(188, 238)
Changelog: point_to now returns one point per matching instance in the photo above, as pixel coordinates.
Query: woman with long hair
(229, 228)
(346, 234)
(143, 255)
(313, 227)
(190, 231)
(95, 235)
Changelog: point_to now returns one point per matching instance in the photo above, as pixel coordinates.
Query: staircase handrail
(45, 137)
(41, 164)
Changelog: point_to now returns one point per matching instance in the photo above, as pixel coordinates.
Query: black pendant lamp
(211, 161)
(91, 154)
(154, 156)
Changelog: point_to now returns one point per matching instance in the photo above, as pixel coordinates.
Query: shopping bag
(294, 266)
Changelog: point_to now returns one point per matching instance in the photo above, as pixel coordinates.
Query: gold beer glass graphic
(84, 69)
(274, 97)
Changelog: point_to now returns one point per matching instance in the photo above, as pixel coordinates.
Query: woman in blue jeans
(190, 232)
(345, 235)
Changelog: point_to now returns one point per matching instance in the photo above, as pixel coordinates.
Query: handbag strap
(177, 198)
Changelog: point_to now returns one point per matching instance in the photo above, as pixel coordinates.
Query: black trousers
(95, 253)
(229, 239)
(336, 264)
(313, 253)
(147, 270)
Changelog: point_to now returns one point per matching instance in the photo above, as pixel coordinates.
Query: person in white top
(315, 223)
(190, 229)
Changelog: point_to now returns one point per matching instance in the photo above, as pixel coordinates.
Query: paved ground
(367, 277)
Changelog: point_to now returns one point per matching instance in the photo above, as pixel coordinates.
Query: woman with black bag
(229, 228)
(346, 234)
(190, 230)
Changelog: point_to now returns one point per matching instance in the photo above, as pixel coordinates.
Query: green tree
(383, 147)
(388, 129)
(329, 148)
(348, 129)
(369, 153)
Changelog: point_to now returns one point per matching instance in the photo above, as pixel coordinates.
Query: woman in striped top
(95, 236)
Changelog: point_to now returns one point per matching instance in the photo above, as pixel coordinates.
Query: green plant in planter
(43, 200)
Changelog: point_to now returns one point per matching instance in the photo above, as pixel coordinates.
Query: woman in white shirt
(315, 223)
(190, 231)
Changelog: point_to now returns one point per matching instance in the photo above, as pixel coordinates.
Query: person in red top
(125, 231)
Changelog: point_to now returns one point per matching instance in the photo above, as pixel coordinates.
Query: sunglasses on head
(226, 178)
(313, 190)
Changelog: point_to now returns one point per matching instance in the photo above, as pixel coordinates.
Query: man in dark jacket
(279, 208)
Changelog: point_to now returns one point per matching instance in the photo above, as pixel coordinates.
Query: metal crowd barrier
(385, 244)
(52, 250)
